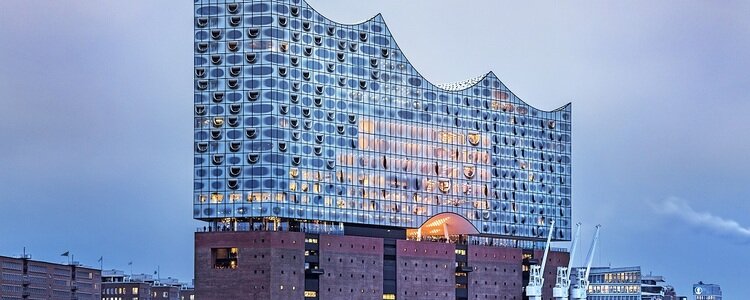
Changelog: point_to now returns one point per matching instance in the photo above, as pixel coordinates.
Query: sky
(96, 122)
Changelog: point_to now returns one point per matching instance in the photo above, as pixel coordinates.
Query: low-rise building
(25, 278)
(119, 286)
(706, 291)
(627, 283)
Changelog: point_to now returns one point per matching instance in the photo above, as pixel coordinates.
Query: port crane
(536, 272)
(580, 288)
(562, 282)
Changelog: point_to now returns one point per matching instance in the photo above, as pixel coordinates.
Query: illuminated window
(225, 258)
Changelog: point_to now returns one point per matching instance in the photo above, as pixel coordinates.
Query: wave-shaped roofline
(488, 75)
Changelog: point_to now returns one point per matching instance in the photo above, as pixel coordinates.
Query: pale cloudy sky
(96, 109)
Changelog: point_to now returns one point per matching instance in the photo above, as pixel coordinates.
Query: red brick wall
(353, 267)
(497, 272)
(554, 260)
(425, 270)
(266, 261)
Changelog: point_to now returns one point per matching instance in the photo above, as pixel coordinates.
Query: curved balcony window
(282, 147)
(201, 147)
(296, 160)
(375, 74)
(201, 47)
(294, 60)
(200, 110)
(342, 81)
(283, 109)
(474, 138)
(235, 71)
(218, 97)
(251, 133)
(330, 116)
(295, 36)
(235, 21)
(318, 102)
(235, 146)
(295, 135)
(307, 51)
(318, 40)
(319, 89)
(330, 67)
(306, 25)
(216, 34)
(319, 138)
(384, 52)
(363, 36)
(253, 32)
(283, 47)
(294, 98)
(318, 150)
(330, 164)
(282, 71)
(253, 95)
(306, 112)
(363, 84)
(444, 185)
(218, 122)
(233, 46)
(330, 30)
(340, 56)
(551, 124)
(469, 171)
(233, 84)
(294, 10)
(295, 86)
(307, 124)
(294, 123)
(250, 58)
(233, 8)
(352, 119)
(216, 59)
(342, 45)
(353, 47)
(216, 134)
(201, 22)
(200, 72)
(253, 158)
(340, 129)
(217, 159)
(282, 21)
(233, 184)
(306, 75)
(235, 108)
(233, 121)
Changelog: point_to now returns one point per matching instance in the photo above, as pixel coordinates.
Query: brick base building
(285, 265)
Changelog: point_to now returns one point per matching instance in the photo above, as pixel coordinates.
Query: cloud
(680, 208)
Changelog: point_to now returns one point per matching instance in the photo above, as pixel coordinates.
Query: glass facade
(299, 117)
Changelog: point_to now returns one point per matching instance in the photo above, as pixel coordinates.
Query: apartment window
(224, 258)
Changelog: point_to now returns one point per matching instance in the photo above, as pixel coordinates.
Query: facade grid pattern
(300, 117)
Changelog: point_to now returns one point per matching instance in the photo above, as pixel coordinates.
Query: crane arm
(590, 256)
(574, 245)
(546, 248)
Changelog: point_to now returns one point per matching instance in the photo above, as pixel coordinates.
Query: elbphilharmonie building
(308, 130)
